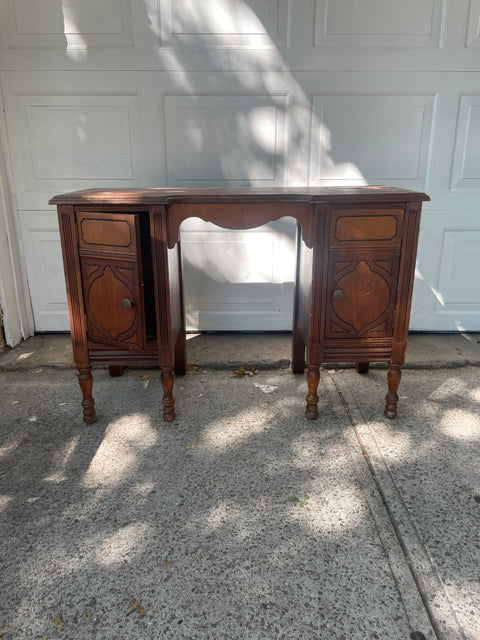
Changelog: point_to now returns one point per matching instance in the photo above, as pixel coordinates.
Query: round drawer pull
(126, 303)
(338, 294)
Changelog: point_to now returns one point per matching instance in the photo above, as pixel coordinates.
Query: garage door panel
(459, 260)
(223, 23)
(225, 140)
(43, 259)
(375, 139)
(71, 24)
(379, 23)
(466, 156)
(473, 25)
(238, 280)
(68, 141)
(447, 289)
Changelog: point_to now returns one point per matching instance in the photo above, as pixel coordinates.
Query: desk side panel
(303, 288)
(177, 311)
(73, 282)
(406, 279)
(160, 261)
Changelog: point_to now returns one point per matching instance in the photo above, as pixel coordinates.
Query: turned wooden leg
(313, 378)
(298, 352)
(391, 399)
(362, 367)
(167, 378)
(115, 370)
(85, 380)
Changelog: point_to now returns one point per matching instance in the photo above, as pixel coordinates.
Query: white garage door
(125, 93)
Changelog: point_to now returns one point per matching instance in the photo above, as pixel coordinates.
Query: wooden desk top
(163, 196)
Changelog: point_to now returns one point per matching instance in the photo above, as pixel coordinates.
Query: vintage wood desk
(354, 276)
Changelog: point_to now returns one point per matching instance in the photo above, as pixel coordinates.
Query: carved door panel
(113, 302)
(361, 294)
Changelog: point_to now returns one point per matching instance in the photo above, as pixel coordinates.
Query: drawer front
(371, 226)
(113, 232)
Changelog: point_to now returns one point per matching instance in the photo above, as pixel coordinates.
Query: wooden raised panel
(383, 226)
(361, 295)
(108, 232)
(113, 302)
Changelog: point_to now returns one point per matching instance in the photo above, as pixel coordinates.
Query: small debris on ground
(241, 371)
(301, 502)
(266, 388)
(57, 622)
(135, 605)
(192, 368)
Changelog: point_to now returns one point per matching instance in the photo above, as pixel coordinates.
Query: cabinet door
(113, 302)
(110, 258)
(361, 294)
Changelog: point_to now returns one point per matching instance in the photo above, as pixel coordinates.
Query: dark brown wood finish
(239, 215)
(165, 335)
(354, 278)
(78, 325)
(111, 266)
(177, 308)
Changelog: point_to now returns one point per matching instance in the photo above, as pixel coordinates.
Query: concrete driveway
(242, 519)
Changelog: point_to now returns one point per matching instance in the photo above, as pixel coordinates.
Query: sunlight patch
(221, 436)
(221, 515)
(308, 449)
(398, 447)
(4, 502)
(335, 511)
(124, 545)
(461, 424)
(60, 461)
(8, 448)
(449, 389)
(144, 488)
(475, 394)
(124, 443)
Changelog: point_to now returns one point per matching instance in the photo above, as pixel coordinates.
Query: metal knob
(126, 303)
(338, 294)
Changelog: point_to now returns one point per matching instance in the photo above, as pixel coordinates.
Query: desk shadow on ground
(242, 519)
